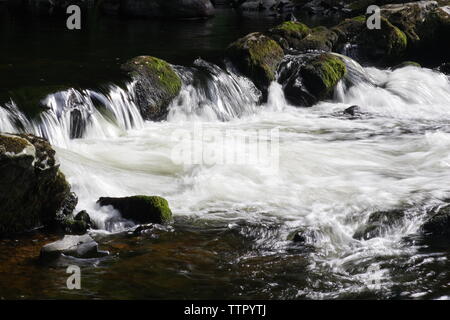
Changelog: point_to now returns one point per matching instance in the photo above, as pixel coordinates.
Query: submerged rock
(33, 191)
(257, 57)
(309, 78)
(141, 209)
(304, 236)
(157, 84)
(74, 246)
(378, 223)
(445, 68)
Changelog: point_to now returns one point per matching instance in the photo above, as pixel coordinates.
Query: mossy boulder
(289, 34)
(33, 191)
(257, 57)
(157, 84)
(387, 43)
(318, 39)
(347, 31)
(309, 78)
(140, 209)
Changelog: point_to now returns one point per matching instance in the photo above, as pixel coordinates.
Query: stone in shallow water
(75, 246)
(439, 224)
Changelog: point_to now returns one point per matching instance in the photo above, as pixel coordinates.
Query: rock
(439, 224)
(387, 43)
(425, 24)
(318, 39)
(407, 64)
(347, 31)
(74, 246)
(181, 9)
(377, 223)
(157, 85)
(353, 111)
(309, 78)
(140, 209)
(257, 57)
(289, 34)
(32, 188)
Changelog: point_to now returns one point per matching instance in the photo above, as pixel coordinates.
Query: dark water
(41, 51)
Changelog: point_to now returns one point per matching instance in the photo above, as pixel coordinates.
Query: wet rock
(157, 85)
(140, 209)
(143, 228)
(32, 188)
(378, 223)
(309, 78)
(439, 224)
(257, 57)
(74, 246)
(352, 111)
(318, 39)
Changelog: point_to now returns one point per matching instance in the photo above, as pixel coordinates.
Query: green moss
(160, 204)
(293, 27)
(320, 38)
(322, 74)
(13, 143)
(160, 69)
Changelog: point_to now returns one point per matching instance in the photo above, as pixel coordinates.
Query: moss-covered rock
(32, 189)
(309, 78)
(140, 209)
(386, 43)
(257, 57)
(157, 84)
(348, 30)
(322, 74)
(318, 39)
(289, 34)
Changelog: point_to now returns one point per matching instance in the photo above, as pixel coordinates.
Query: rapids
(333, 171)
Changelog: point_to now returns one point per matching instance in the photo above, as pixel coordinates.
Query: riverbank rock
(157, 84)
(309, 78)
(33, 191)
(140, 209)
(438, 225)
(257, 57)
(74, 246)
(179, 9)
(378, 223)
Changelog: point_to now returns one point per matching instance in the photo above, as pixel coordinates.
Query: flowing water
(232, 221)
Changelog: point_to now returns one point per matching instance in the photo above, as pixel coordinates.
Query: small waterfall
(210, 93)
(74, 114)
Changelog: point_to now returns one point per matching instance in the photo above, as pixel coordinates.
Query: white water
(333, 172)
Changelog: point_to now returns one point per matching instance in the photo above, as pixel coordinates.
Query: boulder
(257, 57)
(318, 39)
(157, 84)
(33, 191)
(289, 34)
(140, 209)
(352, 111)
(309, 78)
(74, 246)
